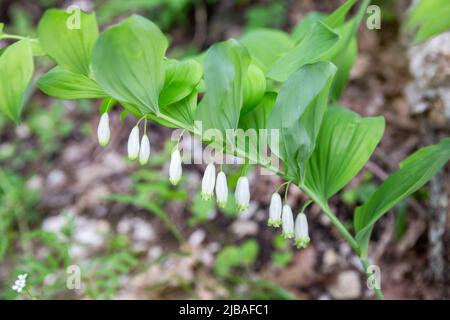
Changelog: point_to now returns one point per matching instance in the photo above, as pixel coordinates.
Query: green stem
(286, 190)
(281, 185)
(378, 291)
(345, 234)
(239, 152)
(11, 36)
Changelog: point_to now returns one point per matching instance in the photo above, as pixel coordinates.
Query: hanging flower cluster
(135, 148)
(210, 183)
(281, 215)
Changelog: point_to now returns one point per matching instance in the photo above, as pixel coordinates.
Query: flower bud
(208, 182)
(144, 151)
(288, 222)
(242, 194)
(133, 144)
(221, 190)
(175, 169)
(103, 131)
(301, 231)
(275, 211)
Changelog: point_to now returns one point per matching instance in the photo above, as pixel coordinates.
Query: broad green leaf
(181, 79)
(69, 38)
(225, 68)
(254, 88)
(256, 121)
(313, 48)
(305, 26)
(64, 84)
(414, 172)
(337, 18)
(298, 114)
(428, 18)
(2, 25)
(344, 62)
(16, 65)
(266, 46)
(259, 116)
(343, 55)
(344, 144)
(128, 63)
(182, 111)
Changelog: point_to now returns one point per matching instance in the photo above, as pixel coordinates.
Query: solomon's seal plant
(283, 86)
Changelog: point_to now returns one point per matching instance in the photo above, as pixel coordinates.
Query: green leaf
(128, 63)
(225, 68)
(414, 172)
(2, 25)
(182, 111)
(298, 114)
(16, 65)
(313, 48)
(344, 62)
(259, 116)
(254, 88)
(344, 144)
(305, 26)
(337, 18)
(181, 79)
(69, 38)
(343, 55)
(253, 121)
(428, 18)
(65, 84)
(266, 46)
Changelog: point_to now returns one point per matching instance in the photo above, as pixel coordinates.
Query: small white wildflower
(275, 211)
(221, 190)
(242, 194)
(133, 144)
(103, 132)
(20, 283)
(288, 222)
(301, 231)
(208, 182)
(144, 151)
(175, 168)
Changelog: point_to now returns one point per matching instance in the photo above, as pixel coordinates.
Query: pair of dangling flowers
(135, 148)
(281, 215)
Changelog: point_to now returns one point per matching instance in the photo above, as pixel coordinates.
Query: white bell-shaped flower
(275, 211)
(133, 144)
(242, 194)
(288, 222)
(208, 182)
(144, 150)
(221, 190)
(175, 168)
(103, 132)
(301, 231)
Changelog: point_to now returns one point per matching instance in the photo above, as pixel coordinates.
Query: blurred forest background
(66, 201)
